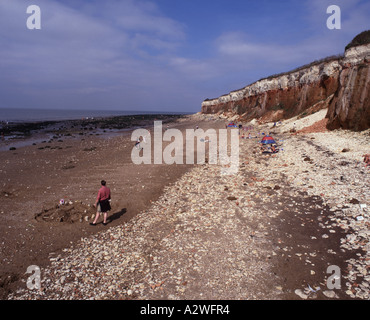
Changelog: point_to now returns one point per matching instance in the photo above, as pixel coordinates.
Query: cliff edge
(350, 106)
(339, 83)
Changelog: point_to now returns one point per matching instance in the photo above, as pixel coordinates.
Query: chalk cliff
(340, 84)
(350, 106)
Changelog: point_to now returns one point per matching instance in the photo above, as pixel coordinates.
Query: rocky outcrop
(340, 84)
(350, 107)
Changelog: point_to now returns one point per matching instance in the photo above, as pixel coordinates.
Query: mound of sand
(67, 213)
(319, 126)
(300, 122)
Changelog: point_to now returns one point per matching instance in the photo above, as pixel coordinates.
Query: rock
(279, 288)
(231, 198)
(301, 294)
(330, 294)
(354, 201)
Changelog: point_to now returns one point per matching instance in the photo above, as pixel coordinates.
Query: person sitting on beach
(273, 149)
(366, 159)
(102, 204)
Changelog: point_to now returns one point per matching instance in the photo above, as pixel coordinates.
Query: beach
(67, 160)
(183, 232)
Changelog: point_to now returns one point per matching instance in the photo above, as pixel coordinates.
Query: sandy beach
(67, 160)
(185, 231)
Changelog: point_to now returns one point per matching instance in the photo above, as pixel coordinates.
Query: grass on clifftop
(360, 39)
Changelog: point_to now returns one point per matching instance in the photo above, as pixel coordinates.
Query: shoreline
(78, 115)
(20, 134)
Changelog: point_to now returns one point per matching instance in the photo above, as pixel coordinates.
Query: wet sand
(68, 161)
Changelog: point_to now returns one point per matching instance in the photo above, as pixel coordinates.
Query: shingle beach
(269, 232)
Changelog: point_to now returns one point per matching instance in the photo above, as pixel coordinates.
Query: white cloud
(113, 48)
(129, 51)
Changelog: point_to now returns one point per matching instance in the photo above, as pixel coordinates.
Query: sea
(32, 115)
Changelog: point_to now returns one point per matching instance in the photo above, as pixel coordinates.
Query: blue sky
(162, 55)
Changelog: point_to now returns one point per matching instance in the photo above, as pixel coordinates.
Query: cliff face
(350, 107)
(342, 84)
(280, 97)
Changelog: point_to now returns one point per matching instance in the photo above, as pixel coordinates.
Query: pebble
(300, 293)
(330, 294)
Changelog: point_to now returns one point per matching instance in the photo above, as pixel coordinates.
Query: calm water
(34, 115)
(23, 115)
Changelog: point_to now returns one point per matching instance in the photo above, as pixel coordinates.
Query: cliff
(340, 84)
(350, 106)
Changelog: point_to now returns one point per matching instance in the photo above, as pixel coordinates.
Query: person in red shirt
(102, 203)
(366, 159)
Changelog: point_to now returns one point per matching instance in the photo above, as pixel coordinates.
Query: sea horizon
(36, 115)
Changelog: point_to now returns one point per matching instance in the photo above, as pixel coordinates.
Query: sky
(160, 55)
